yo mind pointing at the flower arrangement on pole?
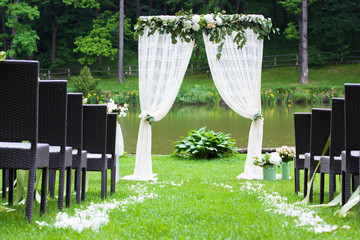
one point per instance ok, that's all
(287, 154)
(113, 107)
(268, 162)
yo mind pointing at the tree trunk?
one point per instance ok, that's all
(239, 6)
(3, 31)
(13, 30)
(99, 56)
(165, 7)
(150, 7)
(138, 8)
(304, 73)
(275, 15)
(121, 42)
(221, 5)
(53, 40)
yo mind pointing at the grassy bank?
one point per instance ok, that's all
(278, 85)
(191, 199)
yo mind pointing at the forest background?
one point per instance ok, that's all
(68, 33)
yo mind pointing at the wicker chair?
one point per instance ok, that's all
(74, 139)
(19, 122)
(52, 130)
(332, 164)
(110, 148)
(320, 132)
(350, 157)
(302, 123)
(95, 135)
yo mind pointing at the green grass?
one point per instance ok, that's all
(198, 209)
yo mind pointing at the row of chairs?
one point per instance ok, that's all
(312, 132)
(44, 127)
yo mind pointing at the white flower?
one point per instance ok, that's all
(187, 24)
(111, 106)
(218, 21)
(208, 18)
(275, 158)
(196, 27)
(196, 19)
(84, 100)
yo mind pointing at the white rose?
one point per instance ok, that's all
(196, 19)
(218, 21)
(196, 27)
(275, 158)
(187, 23)
(208, 18)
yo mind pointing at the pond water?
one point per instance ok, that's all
(278, 126)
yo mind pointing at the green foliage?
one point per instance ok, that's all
(85, 82)
(83, 3)
(202, 144)
(315, 58)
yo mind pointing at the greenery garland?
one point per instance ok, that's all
(189, 27)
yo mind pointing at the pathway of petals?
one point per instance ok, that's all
(96, 215)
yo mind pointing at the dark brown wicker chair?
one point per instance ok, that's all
(74, 139)
(95, 135)
(110, 148)
(350, 157)
(332, 164)
(320, 132)
(52, 130)
(302, 124)
(19, 122)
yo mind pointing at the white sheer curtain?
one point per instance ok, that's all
(162, 66)
(237, 76)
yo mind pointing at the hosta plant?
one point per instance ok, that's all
(202, 144)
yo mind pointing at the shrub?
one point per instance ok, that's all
(204, 144)
(85, 82)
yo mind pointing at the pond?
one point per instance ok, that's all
(278, 126)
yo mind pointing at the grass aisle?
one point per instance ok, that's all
(190, 200)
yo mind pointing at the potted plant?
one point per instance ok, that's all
(268, 162)
(287, 154)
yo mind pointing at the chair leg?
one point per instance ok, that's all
(103, 183)
(11, 186)
(346, 179)
(332, 186)
(297, 180)
(322, 180)
(61, 189)
(77, 184)
(354, 182)
(5, 182)
(30, 194)
(68, 187)
(43, 191)
(52, 176)
(112, 184)
(83, 185)
(305, 181)
(312, 172)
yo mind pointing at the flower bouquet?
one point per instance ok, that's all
(287, 154)
(268, 162)
(113, 107)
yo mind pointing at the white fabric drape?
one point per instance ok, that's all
(119, 149)
(162, 66)
(237, 76)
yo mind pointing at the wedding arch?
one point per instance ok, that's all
(234, 48)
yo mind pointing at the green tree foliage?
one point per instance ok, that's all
(23, 38)
(85, 82)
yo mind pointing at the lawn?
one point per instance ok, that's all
(191, 200)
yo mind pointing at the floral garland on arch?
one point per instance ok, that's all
(188, 27)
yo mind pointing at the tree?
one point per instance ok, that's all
(23, 39)
(299, 7)
(121, 42)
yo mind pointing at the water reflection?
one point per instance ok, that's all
(278, 126)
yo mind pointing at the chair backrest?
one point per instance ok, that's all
(111, 134)
(352, 117)
(95, 128)
(320, 130)
(53, 112)
(19, 100)
(74, 136)
(337, 127)
(302, 125)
